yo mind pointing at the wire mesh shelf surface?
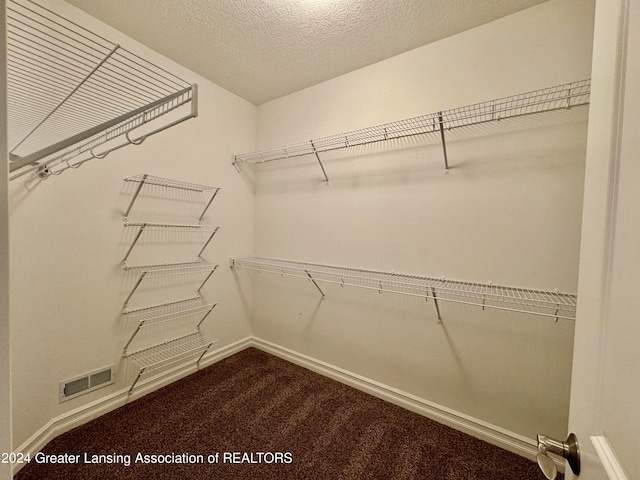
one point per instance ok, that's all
(145, 180)
(538, 302)
(199, 274)
(66, 85)
(170, 183)
(170, 352)
(542, 100)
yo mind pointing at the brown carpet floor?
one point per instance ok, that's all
(291, 423)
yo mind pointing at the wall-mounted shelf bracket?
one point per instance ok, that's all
(312, 280)
(444, 144)
(315, 151)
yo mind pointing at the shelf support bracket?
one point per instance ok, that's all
(444, 144)
(133, 290)
(203, 353)
(207, 242)
(136, 380)
(208, 204)
(135, 240)
(206, 279)
(319, 161)
(435, 301)
(132, 337)
(206, 315)
(314, 282)
(135, 195)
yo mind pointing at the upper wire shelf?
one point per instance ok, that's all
(486, 295)
(146, 179)
(70, 91)
(543, 100)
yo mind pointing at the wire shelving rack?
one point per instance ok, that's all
(193, 345)
(554, 304)
(548, 99)
(166, 227)
(74, 96)
(198, 275)
(146, 180)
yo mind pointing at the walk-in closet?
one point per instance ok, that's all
(319, 239)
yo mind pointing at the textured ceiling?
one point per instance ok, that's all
(264, 49)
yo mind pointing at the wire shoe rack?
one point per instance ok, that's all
(537, 101)
(485, 295)
(74, 95)
(193, 345)
(145, 180)
(173, 229)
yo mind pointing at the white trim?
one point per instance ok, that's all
(477, 428)
(609, 459)
(81, 415)
(513, 442)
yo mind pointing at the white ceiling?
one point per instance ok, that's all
(264, 49)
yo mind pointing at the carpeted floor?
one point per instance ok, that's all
(269, 419)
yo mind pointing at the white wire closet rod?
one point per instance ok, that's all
(543, 100)
(67, 85)
(142, 227)
(147, 180)
(164, 314)
(194, 345)
(200, 273)
(486, 295)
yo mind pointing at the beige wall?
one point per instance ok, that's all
(5, 356)
(68, 239)
(508, 212)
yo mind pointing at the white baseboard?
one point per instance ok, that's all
(513, 442)
(81, 415)
(609, 459)
(493, 434)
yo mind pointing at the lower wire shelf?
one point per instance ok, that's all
(172, 351)
(486, 295)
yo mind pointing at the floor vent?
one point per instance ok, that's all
(89, 382)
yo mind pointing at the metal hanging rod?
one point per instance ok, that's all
(145, 179)
(543, 100)
(66, 85)
(181, 271)
(170, 352)
(486, 295)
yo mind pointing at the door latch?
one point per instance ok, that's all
(568, 450)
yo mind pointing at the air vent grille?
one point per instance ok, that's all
(89, 382)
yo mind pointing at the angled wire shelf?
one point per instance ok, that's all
(543, 100)
(173, 229)
(536, 302)
(193, 275)
(169, 313)
(74, 96)
(191, 346)
(145, 180)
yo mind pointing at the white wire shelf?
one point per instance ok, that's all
(194, 345)
(169, 313)
(543, 100)
(145, 179)
(167, 227)
(536, 302)
(198, 274)
(70, 91)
